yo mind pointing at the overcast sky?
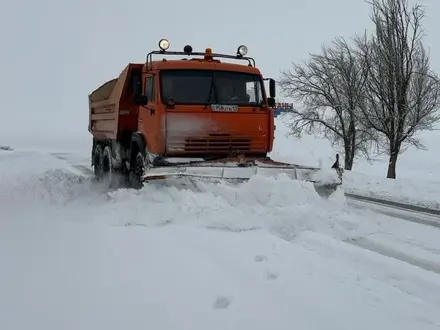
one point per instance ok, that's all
(55, 52)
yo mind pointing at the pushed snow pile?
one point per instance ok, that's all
(326, 176)
(30, 180)
(280, 205)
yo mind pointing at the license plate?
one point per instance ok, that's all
(224, 108)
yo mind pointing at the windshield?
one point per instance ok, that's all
(211, 87)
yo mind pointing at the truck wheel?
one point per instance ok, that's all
(137, 172)
(107, 168)
(98, 162)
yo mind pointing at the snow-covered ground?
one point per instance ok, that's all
(268, 254)
(418, 171)
(74, 256)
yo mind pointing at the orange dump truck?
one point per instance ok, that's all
(188, 114)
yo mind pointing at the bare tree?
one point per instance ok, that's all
(330, 87)
(402, 94)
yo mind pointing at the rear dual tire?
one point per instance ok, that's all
(103, 166)
(105, 174)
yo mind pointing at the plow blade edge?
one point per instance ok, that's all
(325, 184)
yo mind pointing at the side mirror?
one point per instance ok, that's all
(272, 88)
(271, 102)
(141, 99)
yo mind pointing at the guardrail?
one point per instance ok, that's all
(404, 206)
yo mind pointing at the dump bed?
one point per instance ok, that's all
(110, 108)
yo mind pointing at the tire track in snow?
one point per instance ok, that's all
(388, 251)
(74, 162)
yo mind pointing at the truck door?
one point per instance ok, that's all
(150, 93)
(150, 119)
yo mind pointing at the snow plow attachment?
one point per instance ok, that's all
(236, 170)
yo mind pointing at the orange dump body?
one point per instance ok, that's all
(195, 121)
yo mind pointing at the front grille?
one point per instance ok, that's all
(220, 144)
(216, 143)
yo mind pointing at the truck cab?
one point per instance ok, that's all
(201, 107)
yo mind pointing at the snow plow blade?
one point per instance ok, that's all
(241, 170)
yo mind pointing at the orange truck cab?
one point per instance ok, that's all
(185, 107)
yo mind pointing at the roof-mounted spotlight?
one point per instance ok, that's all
(187, 50)
(164, 44)
(242, 51)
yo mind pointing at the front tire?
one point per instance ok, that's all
(137, 172)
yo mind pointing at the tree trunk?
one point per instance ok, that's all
(349, 146)
(352, 142)
(348, 162)
(392, 164)
(348, 157)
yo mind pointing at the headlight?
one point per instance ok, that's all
(164, 44)
(242, 50)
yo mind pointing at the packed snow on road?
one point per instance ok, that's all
(267, 254)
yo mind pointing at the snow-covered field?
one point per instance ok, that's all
(268, 254)
(418, 171)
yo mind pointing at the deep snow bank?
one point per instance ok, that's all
(283, 206)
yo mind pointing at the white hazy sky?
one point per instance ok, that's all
(55, 52)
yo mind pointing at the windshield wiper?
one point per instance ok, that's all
(211, 88)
